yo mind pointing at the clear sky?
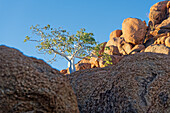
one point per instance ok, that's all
(98, 16)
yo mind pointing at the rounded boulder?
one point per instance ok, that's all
(134, 30)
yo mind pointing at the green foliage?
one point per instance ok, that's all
(108, 60)
(106, 57)
(59, 41)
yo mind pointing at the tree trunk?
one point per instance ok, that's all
(71, 66)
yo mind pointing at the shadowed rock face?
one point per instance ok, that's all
(31, 85)
(139, 83)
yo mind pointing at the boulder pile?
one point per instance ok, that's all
(136, 37)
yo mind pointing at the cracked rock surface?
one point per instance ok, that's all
(139, 83)
(31, 85)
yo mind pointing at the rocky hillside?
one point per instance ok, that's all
(135, 37)
(137, 82)
(31, 85)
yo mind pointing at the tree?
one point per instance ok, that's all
(60, 42)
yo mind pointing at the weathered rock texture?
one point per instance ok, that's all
(158, 12)
(31, 85)
(134, 30)
(115, 33)
(139, 83)
(158, 48)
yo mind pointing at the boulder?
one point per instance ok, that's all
(116, 33)
(113, 50)
(125, 48)
(64, 71)
(81, 66)
(161, 40)
(158, 48)
(139, 83)
(120, 44)
(94, 61)
(137, 48)
(168, 8)
(30, 85)
(158, 12)
(167, 41)
(116, 41)
(164, 26)
(134, 30)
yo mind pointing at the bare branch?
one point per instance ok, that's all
(80, 57)
(53, 59)
(62, 54)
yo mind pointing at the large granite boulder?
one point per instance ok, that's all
(139, 83)
(158, 48)
(31, 85)
(158, 12)
(134, 30)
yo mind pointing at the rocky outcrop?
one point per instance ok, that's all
(134, 30)
(116, 33)
(161, 40)
(113, 50)
(158, 48)
(31, 85)
(136, 37)
(167, 42)
(164, 26)
(158, 12)
(137, 48)
(139, 83)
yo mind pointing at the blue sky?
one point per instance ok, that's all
(98, 16)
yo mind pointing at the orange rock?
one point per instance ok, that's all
(116, 33)
(157, 12)
(134, 30)
(85, 60)
(125, 49)
(116, 41)
(168, 7)
(164, 26)
(82, 66)
(137, 48)
(94, 62)
(113, 50)
(167, 41)
(160, 40)
(158, 48)
(64, 71)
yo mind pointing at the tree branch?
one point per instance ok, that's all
(82, 57)
(63, 55)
